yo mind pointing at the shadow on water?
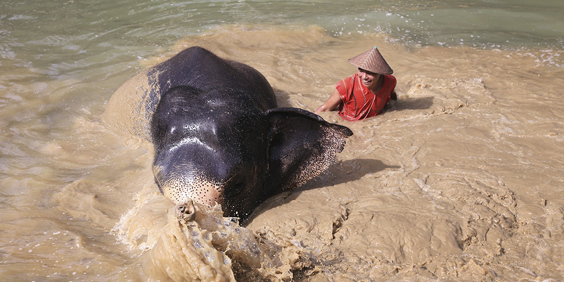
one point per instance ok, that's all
(339, 173)
(347, 171)
(421, 103)
(282, 98)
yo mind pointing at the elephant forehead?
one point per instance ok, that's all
(187, 141)
(227, 131)
(197, 186)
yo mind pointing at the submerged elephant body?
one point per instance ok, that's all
(220, 138)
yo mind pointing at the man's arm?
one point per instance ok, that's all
(331, 103)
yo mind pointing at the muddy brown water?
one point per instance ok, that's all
(460, 179)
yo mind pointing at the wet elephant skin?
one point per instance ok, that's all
(220, 138)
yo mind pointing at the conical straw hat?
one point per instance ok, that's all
(372, 61)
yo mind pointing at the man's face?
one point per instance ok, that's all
(369, 79)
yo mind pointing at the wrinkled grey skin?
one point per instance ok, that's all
(220, 138)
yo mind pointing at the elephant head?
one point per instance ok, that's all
(212, 153)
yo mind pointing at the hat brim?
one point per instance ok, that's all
(372, 61)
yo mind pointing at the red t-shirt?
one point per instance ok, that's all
(358, 102)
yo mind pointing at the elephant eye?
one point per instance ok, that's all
(235, 189)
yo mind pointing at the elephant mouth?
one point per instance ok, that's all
(186, 211)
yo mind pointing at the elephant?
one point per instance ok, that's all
(219, 136)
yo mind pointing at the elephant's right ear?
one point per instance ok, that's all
(301, 146)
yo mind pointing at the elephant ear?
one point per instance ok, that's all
(301, 146)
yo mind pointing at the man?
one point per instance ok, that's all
(364, 94)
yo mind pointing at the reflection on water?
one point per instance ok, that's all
(459, 179)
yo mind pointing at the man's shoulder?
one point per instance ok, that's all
(345, 86)
(391, 79)
(349, 80)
